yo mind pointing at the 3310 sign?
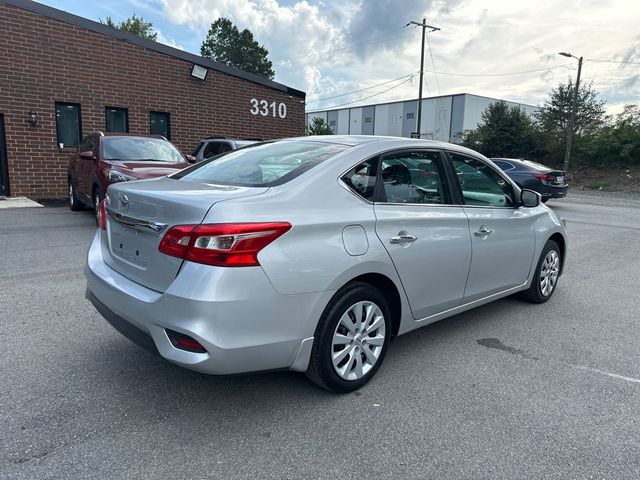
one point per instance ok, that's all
(264, 108)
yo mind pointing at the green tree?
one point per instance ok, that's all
(226, 44)
(318, 127)
(504, 131)
(553, 117)
(553, 121)
(136, 25)
(618, 142)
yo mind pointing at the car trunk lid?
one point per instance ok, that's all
(140, 213)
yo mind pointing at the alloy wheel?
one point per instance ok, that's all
(549, 272)
(358, 340)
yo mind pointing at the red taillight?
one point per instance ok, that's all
(223, 244)
(102, 215)
(544, 178)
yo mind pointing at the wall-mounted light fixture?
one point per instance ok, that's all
(32, 117)
(199, 72)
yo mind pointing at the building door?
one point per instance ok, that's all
(4, 166)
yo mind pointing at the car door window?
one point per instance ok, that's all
(224, 147)
(414, 177)
(212, 149)
(480, 184)
(197, 149)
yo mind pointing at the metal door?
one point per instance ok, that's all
(503, 240)
(425, 235)
(4, 166)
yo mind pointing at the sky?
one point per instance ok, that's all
(361, 52)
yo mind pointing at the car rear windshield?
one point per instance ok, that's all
(140, 149)
(263, 165)
(535, 165)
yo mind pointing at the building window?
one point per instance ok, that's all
(410, 116)
(117, 119)
(68, 126)
(159, 124)
(368, 119)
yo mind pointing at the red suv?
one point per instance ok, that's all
(106, 158)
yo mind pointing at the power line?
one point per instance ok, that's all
(435, 75)
(440, 73)
(374, 95)
(612, 61)
(361, 90)
(502, 74)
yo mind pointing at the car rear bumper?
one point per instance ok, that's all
(552, 192)
(234, 313)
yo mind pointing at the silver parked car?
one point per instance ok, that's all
(311, 253)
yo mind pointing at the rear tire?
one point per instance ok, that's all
(351, 339)
(74, 202)
(546, 276)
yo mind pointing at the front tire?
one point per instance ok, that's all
(546, 275)
(351, 339)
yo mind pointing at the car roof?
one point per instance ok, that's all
(355, 140)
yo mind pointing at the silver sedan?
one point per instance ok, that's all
(312, 253)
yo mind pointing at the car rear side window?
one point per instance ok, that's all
(263, 165)
(362, 179)
(504, 165)
(480, 184)
(414, 177)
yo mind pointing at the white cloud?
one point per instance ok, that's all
(167, 41)
(338, 46)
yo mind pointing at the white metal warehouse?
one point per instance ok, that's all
(443, 117)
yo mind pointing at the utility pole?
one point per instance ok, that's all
(424, 30)
(572, 119)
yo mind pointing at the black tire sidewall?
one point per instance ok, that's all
(536, 289)
(74, 201)
(321, 354)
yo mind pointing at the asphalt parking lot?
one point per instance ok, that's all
(509, 390)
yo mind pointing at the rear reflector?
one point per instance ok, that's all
(184, 342)
(222, 244)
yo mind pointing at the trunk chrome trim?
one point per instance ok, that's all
(137, 223)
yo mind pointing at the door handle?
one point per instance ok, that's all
(482, 231)
(402, 238)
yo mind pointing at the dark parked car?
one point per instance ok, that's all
(212, 146)
(546, 181)
(106, 158)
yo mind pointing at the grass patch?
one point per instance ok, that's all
(597, 185)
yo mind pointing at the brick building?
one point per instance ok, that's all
(63, 76)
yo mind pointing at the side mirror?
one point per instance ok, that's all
(191, 159)
(530, 198)
(88, 155)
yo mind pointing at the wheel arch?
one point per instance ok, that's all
(562, 244)
(389, 290)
